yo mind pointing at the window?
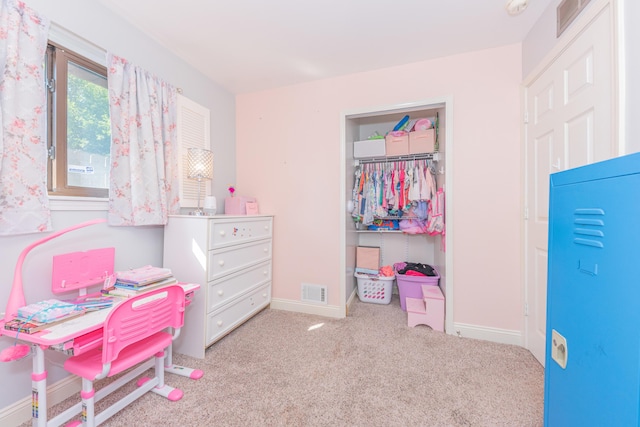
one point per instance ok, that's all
(79, 128)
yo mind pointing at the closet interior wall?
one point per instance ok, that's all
(395, 246)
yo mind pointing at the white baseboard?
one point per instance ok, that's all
(303, 307)
(20, 412)
(502, 336)
(351, 299)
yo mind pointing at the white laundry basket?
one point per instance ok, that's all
(375, 289)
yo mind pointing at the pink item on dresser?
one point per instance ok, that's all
(237, 205)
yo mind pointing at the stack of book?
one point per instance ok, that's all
(92, 302)
(42, 315)
(135, 281)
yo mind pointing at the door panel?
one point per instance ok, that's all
(571, 109)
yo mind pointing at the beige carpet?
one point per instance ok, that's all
(370, 369)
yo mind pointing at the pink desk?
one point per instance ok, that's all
(76, 336)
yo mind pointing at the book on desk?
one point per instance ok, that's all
(124, 289)
(24, 326)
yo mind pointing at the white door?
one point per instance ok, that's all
(570, 111)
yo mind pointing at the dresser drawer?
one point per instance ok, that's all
(224, 320)
(225, 261)
(223, 290)
(233, 231)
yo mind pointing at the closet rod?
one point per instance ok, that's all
(432, 156)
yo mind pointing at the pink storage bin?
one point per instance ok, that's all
(411, 286)
(397, 145)
(237, 205)
(422, 141)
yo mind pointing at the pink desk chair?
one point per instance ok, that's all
(83, 335)
(134, 332)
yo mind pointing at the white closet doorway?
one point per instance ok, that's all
(570, 112)
(396, 246)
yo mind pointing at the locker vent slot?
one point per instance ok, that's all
(314, 293)
(589, 227)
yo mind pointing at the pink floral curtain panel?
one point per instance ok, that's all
(144, 150)
(24, 204)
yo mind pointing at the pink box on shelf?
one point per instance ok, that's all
(397, 145)
(237, 205)
(422, 141)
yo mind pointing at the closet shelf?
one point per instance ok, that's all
(429, 156)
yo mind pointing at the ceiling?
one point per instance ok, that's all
(252, 45)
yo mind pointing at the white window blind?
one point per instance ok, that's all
(193, 128)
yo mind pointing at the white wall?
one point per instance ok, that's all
(135, 246)
(631, 10)
(540, 40)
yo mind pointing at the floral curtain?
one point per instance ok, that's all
(24, 204)
(144, 151)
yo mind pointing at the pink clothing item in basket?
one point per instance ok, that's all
(387, 271)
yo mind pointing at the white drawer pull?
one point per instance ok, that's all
(264, 295)
(266, 250)
(222, 233)
(220, 293)
(221, 262)
(266, 227)
(265, 272)
(219, 322)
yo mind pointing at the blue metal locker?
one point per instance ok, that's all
(592, 359)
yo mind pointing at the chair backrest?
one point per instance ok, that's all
(80, 270)
(141, 316)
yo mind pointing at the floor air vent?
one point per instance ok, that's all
(314, 293)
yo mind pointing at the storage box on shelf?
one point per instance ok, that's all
(369, 148)
(397, 145)
(422, 141)
(231, 258)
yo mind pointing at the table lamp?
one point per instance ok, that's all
(200, 167)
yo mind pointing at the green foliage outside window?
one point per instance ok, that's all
(88, 123)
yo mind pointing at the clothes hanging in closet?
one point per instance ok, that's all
(399, 189)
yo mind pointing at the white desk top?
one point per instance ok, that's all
(76, 326)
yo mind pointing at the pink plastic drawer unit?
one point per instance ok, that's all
(422, 141)
(397, 145)
(411, 286)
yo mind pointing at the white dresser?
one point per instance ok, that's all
(230, 257)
